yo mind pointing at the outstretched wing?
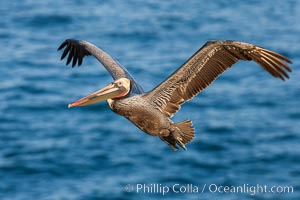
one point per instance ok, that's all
(205, 66)
(78, 49)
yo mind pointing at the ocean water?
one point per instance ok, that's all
(247, 123)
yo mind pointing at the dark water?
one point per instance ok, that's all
(247, 123)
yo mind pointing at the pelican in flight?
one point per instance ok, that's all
(151, 111)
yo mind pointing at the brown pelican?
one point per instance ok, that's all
(151, 111)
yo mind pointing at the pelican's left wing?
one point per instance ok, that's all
(78, 49)
(205, 66)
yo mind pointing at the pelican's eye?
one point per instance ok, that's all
(119, 84)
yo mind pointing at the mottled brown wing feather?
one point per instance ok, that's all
(205, 66)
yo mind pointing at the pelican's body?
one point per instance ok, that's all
(136, 109)
(151, 111)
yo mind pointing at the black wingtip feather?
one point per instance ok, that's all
(62, 45)
(80, 56)
(80, 59)
(66, 51)
(75, 56)
(70, 56)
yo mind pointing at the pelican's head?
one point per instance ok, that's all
(117, 89)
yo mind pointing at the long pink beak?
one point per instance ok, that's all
(105, 93)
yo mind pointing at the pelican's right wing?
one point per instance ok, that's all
(205, 66)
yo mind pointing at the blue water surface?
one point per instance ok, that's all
(247, 122)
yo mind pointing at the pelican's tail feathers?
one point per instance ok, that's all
(187, 130)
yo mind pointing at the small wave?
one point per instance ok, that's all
(136, 35)
(219, 129)
(47, 20)
(295, 115)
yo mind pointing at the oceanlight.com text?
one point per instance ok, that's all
(156, 188)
